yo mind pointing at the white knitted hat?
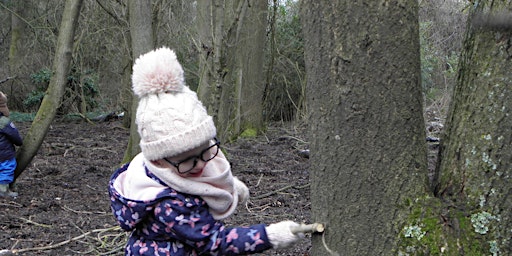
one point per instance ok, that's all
(170, 118)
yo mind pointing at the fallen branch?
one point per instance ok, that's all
(53, 246)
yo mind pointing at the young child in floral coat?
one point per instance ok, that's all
(9, 137)
(174, 195)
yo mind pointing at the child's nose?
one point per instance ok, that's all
(200, 164)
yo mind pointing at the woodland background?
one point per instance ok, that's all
(348, 71)
(102, 59)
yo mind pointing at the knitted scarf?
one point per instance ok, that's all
(216, 185)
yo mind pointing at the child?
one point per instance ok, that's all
(174, 195)
(9, 136)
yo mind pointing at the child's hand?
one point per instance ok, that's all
(242, 190)
(280, 234)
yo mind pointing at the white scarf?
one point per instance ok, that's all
(216, 185)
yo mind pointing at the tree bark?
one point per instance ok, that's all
(16, 51)
(475, 167)
(231, 64)
(142, 40)
(56, 88)
(212, 60)
(368, 151)
(251, 52)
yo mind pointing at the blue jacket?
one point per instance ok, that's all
(175, 223)
(9, 136)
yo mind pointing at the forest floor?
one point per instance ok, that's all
(63, 204)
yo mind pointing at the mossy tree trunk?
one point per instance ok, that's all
(368, 151)
(231, 63)
(142, 41)
(252, 78)
(53, 98)
(475, 168)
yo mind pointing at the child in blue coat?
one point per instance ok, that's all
(9, 137)
(173, 196)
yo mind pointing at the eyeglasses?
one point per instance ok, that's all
(189, 163)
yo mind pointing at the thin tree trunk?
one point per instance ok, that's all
(16, 52)
(142, 40)
(56, 88)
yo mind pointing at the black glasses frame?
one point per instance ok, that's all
(200, 156)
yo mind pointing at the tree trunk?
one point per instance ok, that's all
(212, 59)
(56, 88)
(368, 151)
(251, 52)
(475, 167)
(17, 54)
(231, 59)
(142, 39)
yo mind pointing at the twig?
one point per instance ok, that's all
(35, 223)
(53, 246)
(82, 212)
(7, 79)
(273, 192)
(12, 204)
(331, 252)
(259, 180)
(280, 190)
(308, 228)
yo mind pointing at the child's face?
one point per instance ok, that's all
(191, 163)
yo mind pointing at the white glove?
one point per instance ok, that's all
(280, 234)
(242, 190)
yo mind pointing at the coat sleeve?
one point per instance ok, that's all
(189, 221)
(11, 132)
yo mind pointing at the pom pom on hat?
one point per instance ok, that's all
(156, 72)
(170, 118)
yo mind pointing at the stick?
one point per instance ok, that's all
(53, 246)
(309, 228)
(279, 190)
(7, 79)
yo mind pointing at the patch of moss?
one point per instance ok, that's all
(249, 133)
(436, 228)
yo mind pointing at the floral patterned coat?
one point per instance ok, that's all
(174, 223)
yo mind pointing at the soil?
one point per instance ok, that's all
(63, 205)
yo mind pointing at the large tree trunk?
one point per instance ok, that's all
(142, 40)
(368, 151)
(56, 88)
(475, 167)
(231, 57)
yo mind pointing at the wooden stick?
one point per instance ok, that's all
(309, 228)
